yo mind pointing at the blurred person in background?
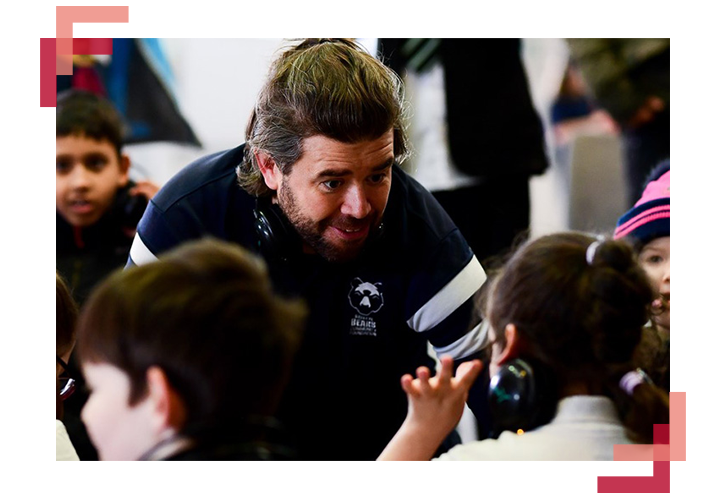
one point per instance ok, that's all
(666, 94)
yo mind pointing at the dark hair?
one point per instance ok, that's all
(66, 314)
(206, 314)
(329, 87)
(82, 113)
(582, 320)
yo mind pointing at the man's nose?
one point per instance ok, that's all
(356, 203)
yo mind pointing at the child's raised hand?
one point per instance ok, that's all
(438, 402)
(435, 406)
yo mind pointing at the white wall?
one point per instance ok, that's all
(217, 81)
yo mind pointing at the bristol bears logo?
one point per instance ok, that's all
(365, 297)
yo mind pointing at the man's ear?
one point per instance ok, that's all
(270, 172)
(167, 406)
(513, 346)
(124, 165)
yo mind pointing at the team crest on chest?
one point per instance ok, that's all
(366, 299)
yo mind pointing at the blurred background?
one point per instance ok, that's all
(212, 84)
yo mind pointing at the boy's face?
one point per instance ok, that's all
(87, 174)
(119, 432)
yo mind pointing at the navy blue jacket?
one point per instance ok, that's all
(344, 400)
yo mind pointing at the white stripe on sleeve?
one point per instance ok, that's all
(449, 298)
(139, 253)
(468, 344)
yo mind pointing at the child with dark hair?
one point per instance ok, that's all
(97, 206)
(187, 357)
(97, 210)
(566, 315)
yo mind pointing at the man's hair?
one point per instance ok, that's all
(206, 314)
(329, 87)
(85, 114)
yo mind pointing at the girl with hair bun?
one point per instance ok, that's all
(565, 317)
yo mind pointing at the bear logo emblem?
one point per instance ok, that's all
(365, 297)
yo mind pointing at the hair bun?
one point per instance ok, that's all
(311, 42)
(614, 254)
(620, 295)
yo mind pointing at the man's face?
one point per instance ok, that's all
(88, 173)
(336, 193)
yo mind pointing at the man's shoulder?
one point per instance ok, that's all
(208, 177)
(421, 240)
(419, 218)
(203, 199)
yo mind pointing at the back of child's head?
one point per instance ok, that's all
(580, 315)
(206, 314)
(86, 114)
(578, 304)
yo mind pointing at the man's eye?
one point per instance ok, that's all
(377, 178)
(332, 184)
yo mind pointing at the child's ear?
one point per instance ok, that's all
(124, 165)
(167, 406)
(270, 172)
(512, 347)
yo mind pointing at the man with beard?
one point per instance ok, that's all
(316, 190)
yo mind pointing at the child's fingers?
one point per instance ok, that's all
(467, 373)
(407, 385)
(423, 375)
(447, 369)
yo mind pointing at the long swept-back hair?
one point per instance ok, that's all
(329, 87)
